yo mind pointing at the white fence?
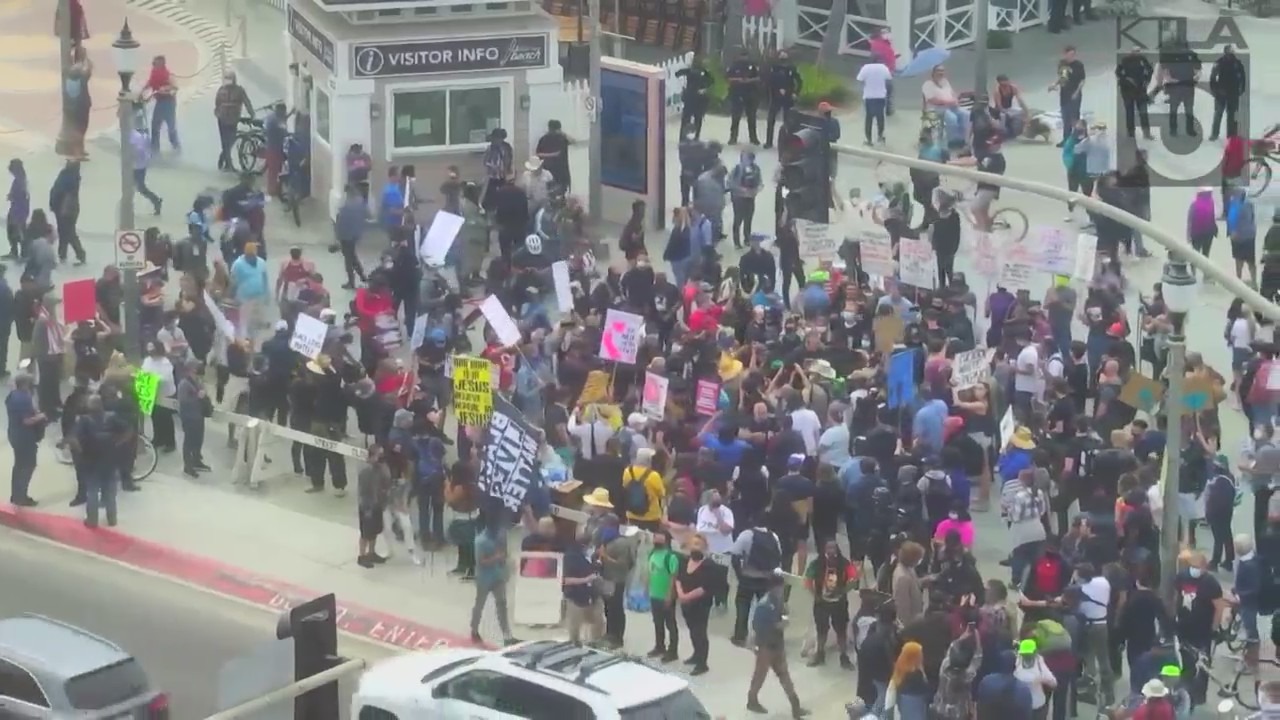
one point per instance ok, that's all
(764, 34)
(570, 106)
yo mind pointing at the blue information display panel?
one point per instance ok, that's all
(624, 132)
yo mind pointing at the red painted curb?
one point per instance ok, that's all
(220, 577)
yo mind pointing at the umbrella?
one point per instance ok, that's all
(924, 62)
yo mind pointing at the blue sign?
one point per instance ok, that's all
(902, 379)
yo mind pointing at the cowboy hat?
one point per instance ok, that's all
(1022, 439)
(598, 498)
(533, 164)
(1155, 689)
(321, 365)
(822, 368)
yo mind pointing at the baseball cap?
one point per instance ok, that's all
(281, 326)
(1027, 647)
(1171, 671)
(795, 460)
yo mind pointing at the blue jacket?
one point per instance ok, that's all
(1012, 462)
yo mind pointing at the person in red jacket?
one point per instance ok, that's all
(371, 302)
(1235, 159)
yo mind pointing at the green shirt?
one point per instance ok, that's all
(663, 567)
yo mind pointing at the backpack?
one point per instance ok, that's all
(765, 553)
(637, 494)
(1051, 637)
(626, 441)
(1220, 495)
(1048, 576)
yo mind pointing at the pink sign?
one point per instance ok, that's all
(706, 397)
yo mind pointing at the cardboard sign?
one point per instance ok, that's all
(1141, 392)
(620, 339)
(1057, 254)
(444, 229)
(653, 402)
(818, 241)
(308, 336)
(917, 263)
(888, 330)
(560, 278)
(472, 390)
(1086, 263)
(1199, 393)
(875, 252)
(970, 368)
(539, 591)
(146, 385)
(1007, 427)
(706, 397)
(500, 320)
(1015, 276)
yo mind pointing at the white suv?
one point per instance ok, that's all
(539, 680)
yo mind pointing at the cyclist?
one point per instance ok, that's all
(992, 162)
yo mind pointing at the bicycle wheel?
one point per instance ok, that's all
(251, 153)
(1010, 223)
(1259, 176)
(146, 459)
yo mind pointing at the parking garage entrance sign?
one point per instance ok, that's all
(433, 57)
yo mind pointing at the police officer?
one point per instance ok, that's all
(693, 153)
(1228, 83)
(744, 95)
(695, 96)
(784, 87)
(1179, 72)
(1133, 77)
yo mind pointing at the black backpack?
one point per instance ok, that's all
(637, 494)
(765, 553)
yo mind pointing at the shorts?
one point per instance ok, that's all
(371, 524)
(1240, 357)
(982, 201)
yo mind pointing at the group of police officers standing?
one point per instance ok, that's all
(747, 80)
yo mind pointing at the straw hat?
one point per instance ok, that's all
(1022, 439)
(598, 498)
(321, 365)
(823, 369)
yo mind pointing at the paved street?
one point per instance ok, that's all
(181, 635)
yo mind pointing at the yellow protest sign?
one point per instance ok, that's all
(146, 386)
(472, 390)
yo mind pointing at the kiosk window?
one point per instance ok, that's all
(322, 114)
(439, 118)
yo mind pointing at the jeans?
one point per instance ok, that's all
(165, 112)
(749, 590)
(140, 184)
(192, 442)
(17, 243)
(1143, 210)
(24, 466)
(431, 510)
(1069, 107)
(1227, 105)
(1097, 653)
(227, 140)
(775, 659)
(1224, 548)
(666, 631)
(100, 491)
(875, 111)
(1022, 558)
(912, 707)
(744, 210)
(955, 122)
(499, 593)
(68, 235)
(680, 270)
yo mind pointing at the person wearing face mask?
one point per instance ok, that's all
(695, 588)
(1201, 602)
(1074, 145)
(830, 578)
(227, 104)
(745, 183)
(769, 622)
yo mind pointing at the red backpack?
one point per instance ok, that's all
(1048, 576)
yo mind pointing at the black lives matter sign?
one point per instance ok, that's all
(1180, 160)
(461, 55)
(509, 458)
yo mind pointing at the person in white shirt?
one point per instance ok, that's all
(875, 78)
(1028, 380)
(1095, 602)
(157, 362)
(173, 338)
(1035, 674)
(715, 523)
(941, 99)
(592, 434)
(806, 422)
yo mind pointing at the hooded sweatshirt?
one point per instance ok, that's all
(746, 179)
(1201, 221)
(1242, 225)
(1002, 695)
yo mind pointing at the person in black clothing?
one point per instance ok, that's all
(7, 306)
(695, 589)
(1133, 76)
(511, 215)
(1179, 72)
(553, 148)
(789, 260)
(64, 203)
(698, 83)
(743, 75)
(1070, 87)
(1142, 621)
(1228, 83)
(694, 156)
(784, 85)
(945, 238)
(1136, 182)
(757, 268)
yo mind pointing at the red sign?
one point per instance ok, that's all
(706, 397)
(79, 301)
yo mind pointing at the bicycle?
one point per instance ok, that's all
(1231, 690)
(251, 142)
(1007, 221)
(1229, 635)
(1261, 153)
(144, 463)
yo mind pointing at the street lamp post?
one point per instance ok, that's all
(1178, 287)
(126, 51)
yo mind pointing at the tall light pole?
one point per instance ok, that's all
(126, 51)
(1178, 287)
(981, 83)
(595, 192)
(64, 29)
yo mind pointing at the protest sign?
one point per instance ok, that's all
(500, 320)
(620, 336)
(970, 368)
(445, 227)
(1056, 253)
(79, 301)
(706, 397)
(308, 336)
(1015, 276)
(509, 456)
(560, 278)
(1086, 258)
(901, 380)
(654, 399)
(875, 252)
(1007, 426)
(1200, 393)
(146, 385)
(917, 263)
(220, 320)
(472, 390)
(818, 241)
(539, 591)
(888, 331)
(1141, 392)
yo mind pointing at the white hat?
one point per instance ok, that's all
(327, 313)
(637, 420)
(533, 164)
(1155, 689)
(281, 326)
